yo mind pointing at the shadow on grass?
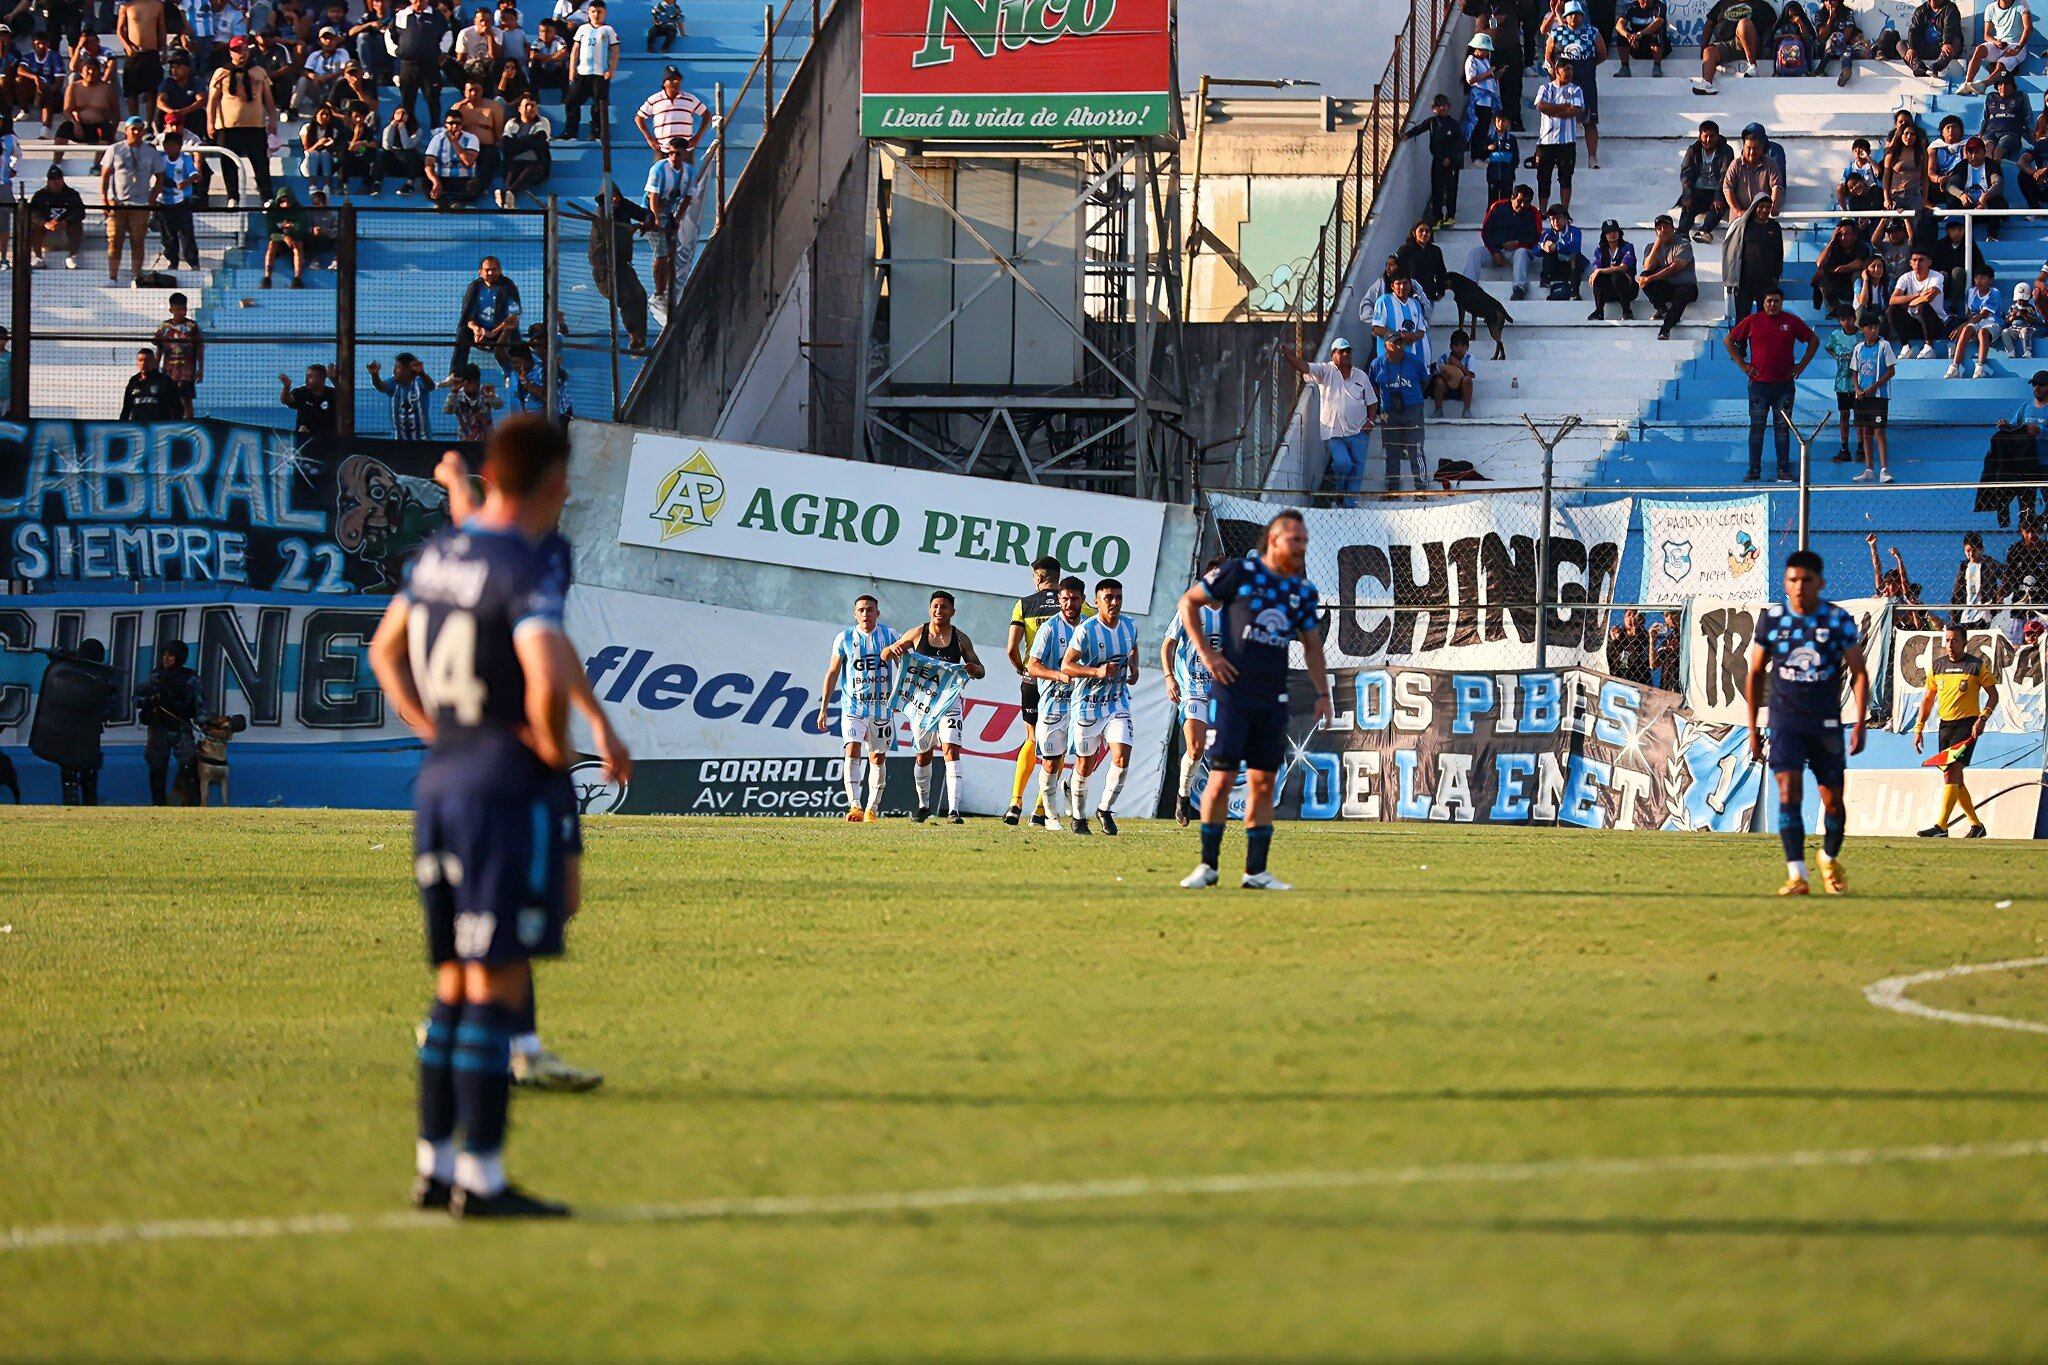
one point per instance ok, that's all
(1530, 1095)
(1620, 1226)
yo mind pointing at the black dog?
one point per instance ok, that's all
(1475, 303)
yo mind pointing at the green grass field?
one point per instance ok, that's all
(209, 1017)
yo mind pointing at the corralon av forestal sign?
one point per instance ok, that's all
(1017, 70)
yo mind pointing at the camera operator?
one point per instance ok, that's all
(93, 700)
(169, 703)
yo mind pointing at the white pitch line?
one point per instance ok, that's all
(1890, 994)
(995, 1196)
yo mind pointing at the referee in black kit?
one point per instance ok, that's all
(1267, 603)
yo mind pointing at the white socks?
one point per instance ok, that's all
(1049, 785)
(953, 785)
(1187, 774)
(853, 767)
(435, 1159)
(1077, 792)
(484, 1175)
(924, 785)
(878, 776)
(1116, 784)
(1797, 870)
(525, 1044)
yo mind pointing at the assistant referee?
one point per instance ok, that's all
(1962, 690)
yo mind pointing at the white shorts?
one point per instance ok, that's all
(1197, 708)
(875, 734)
(1090, 735)
(1050, 734)
(946, 731)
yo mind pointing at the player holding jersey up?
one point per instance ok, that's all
(1803, 646)
(1187, 690)
(934, 707)
(860, 668)
(1102, 657)
(1054, 694)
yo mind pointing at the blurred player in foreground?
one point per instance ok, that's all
(1054, 695)
(1187, 690)
(1266, 604)
(865, 678)
(1963, 688)
(1803, 645)
(473, 656)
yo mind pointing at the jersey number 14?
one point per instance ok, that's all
(445, 669)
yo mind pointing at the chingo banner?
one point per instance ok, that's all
(1018, 70)
(903, 525)
(201, 504)
(1466, 570)
(1549, 747)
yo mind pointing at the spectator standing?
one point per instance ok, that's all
(483, 118)
(1905, 168)
(1752, 176)
(1400, 313)
(418, 32)
(1507, 236)
(410, 392)
(312, 403)
(2026, 563)
(1753, 256)
(167, 703)
(1669, 278)
(1933, 37)
(1561, 105)
(611, 266)
(174, 202)
(1872, 363)
(528, 160)
(1402, 381)
(1503, 154)
(1345, 402)
(180, 101)
(1978, 323)
(515, 45)
(489, 315)
(2012, 465)
(1841, 344)
(670, 182)
(1667, 639)
(1642, 31)
(242, 113)
(131, 174)
(1979, 582)
(181, 352)
(664, 25)
(1918, 314)
(142, 34)
(1578, 44)
(56, 212)
(450, 161)
(2008, 27)
(1769, 337)
(1628, 649)
(150, 395)
(1482, 90)
(1702, 207)
(670, 113)
(471, 402)
(1614, 273)
(1447, 151)
(398, 151)
(1562, 248)
(593, 61)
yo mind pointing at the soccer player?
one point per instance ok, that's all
(1803, 646)
(474, 658)
(936, 639)
(1962, 688)
(533, 1065)
(1030, 613)
(860, 668)
(1187, 688)
(1055, 691)
(1267, 603)
(1102, 656)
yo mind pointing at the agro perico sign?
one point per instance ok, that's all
(901, 525)
(1017, 70)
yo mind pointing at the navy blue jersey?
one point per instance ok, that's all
(471, 590)
(560, 556)
(1804, 655)
(1262, 612)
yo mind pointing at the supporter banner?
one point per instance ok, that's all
(1687, 21)
(904, 525)
(957, 69)
(205, 503)
(1469, 563)
(1716, 654)
(2020, 697)
(735, 693)
(297, 667)
(1705, 548)
(1898, 802)
(1545, 747)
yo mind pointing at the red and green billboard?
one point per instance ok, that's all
(1016, 70)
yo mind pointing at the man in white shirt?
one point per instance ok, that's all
(1561, 104)
(451, 157)
(593, 61)
(2008, 26)
(670, 113)
(1346, 401)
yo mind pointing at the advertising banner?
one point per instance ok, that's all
(902, 525)
(1705, 548)
(1716, 654)
(2019, 679)
(721, 710)
(200, 504)
(1468, 569)
(1900, 802)
(1017, 70)
(1534, 747)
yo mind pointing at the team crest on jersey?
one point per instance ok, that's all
(688, 497)
(596, 794)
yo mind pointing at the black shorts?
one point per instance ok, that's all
(1253, 737)
(1953, 732)
(489, 866)
(141, 74)
(1027, 692)
(1872, 412)
(1845, 400)
(1821, 750)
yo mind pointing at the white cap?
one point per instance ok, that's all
(1340, 344)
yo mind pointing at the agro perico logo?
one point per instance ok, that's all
(1010, 25)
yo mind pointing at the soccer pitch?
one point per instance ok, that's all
(900, 1092)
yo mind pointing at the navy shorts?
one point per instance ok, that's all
(489, 866)
(1253, 737)
(1820, 750)
(568, 814)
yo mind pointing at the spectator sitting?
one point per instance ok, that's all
(1701, 205)
(1861, 188)
(1978, 323)
(477, 51)
(1423, 259)
(1503, 154)
(489, 315)
(1628, 649)
(1840, 262)
(1564, 258)
(1642, 31)
(323, 68)
(91, 107)
(1753, 175)
(664, 25)
(1753, 257)
(2022, 323)
(1614, 273)
(1733, 28)
(287, 223)
(2008, 115)
(2026, 563)
(1892, 246)
(359, 152)
(2033, 164)
(321, 140)
(1978, 183)
(1670, 277)
(471, 402)
(323, 232)
(1947, 151)
(1507, 236)
(356, 92)
(1841, 39)
(398, 151)
(56, 216)
(547, 61)
(1793, 42)
(450, 160)
(1945, 250)
(1932, 38)
(1979, 580)
(2008, 27)
(1872, 363)
(1453, 374)
(1918, 316)
(528, 161)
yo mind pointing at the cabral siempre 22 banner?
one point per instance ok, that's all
(1017, 70)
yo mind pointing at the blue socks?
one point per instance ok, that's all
(483, 1080)
(1792, 833)
(1833, 826)
(437, 1074)
(1212, 844)
(1257, 840)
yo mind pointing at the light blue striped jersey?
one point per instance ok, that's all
(1048, 647)
(867, 678)
(1096, 644)
(927, 688)
(1188, 671)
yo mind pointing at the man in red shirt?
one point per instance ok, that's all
(1770, 336)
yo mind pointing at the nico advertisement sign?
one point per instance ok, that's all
(902, 525)
(1017, 70)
